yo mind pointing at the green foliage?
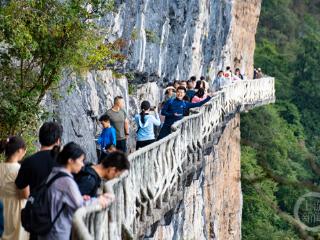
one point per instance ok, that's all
(151, 36)
(278, 140)
(40, 38)
(134, 34)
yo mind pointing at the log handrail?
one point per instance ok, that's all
(156, 169)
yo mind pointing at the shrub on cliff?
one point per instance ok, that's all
(40, 38)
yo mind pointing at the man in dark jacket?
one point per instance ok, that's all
(175, 109)
(89, 178)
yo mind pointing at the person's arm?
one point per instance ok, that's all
(22, 180)
(195, 99)
(198, 104)
(156, 119)
(113, 136)
(165, 110)
(100, 139)
(24, 193)
(126, 127)
(73, 195)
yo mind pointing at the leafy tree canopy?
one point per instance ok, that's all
(39, 39)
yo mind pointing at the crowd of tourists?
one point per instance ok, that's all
(53, 178)
(56, 177)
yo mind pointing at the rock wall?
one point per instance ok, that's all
(241, 40)
(166, 40)
(211, 208)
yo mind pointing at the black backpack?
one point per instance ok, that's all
(36, 216)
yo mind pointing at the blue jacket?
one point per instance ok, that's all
(108, 136)
(190, 93)
(145, 130)
(180, 107)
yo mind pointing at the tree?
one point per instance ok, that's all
(281, 143)
(38, 40)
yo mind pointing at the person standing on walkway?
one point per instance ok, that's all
(119, 120)
(199, 96)
(36, 168)
(13, 199)
(64, 194)
(145, 123)
(175, 109)
(107, 136)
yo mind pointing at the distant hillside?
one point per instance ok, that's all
(281, 143)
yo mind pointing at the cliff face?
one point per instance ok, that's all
(167, 40)
(241, 38)
(211, 206)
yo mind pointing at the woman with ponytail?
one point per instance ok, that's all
(14, 149)
(145, 123)
(64, 194)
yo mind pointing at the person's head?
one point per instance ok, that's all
(110, 148)
(193, 78)
(105, 121)
(13, 147)
(237, 71)
(228, 68)
(181, 92)
(190, 84)
(119, 102)
(169, 90)
(200, 93)
(145, 108)
(183, 83)
(50, 134)
(259, 69)
(220, 73)
(198, 84)
(71, 157)
(204, 85)
(176, 84)
(202, 78)
(114, 164)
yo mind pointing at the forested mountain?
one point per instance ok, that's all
(281, 143)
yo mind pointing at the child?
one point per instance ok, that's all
(108, 135)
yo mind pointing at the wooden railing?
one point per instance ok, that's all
(153, 184)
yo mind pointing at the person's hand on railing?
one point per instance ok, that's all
(106, 199)
(86, 197)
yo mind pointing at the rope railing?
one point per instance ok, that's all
(153, 184)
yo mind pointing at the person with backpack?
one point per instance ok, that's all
(175, 109)
(89, 178)
(13, 199)
(36, 168)
(50, 208)
(145, 123)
